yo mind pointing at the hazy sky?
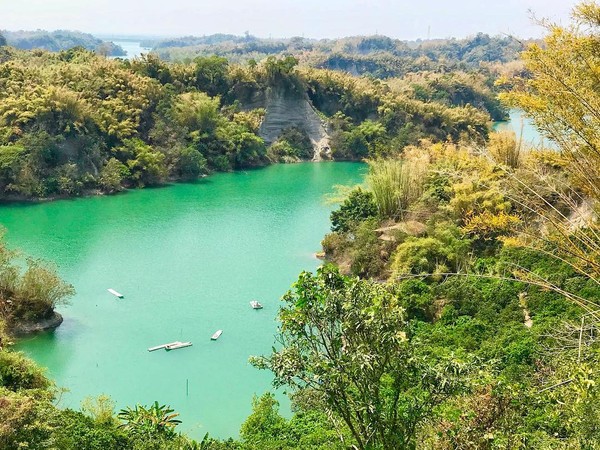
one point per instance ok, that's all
(284, 18)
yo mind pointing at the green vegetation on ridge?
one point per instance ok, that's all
(376, 56)
(59, 40)
(75, 122)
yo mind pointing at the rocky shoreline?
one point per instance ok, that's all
(49, 323)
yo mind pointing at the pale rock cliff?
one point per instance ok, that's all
(286, 110)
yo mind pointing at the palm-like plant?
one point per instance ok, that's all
(156, 419)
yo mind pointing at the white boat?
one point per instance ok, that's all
(217, 334)
(115, 293)
(256, 304)
(176, 345)
(158, 347)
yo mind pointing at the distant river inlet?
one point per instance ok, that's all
(188, 259)
(132, 48)
(524, 128)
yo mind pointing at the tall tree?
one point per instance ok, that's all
(346, 340)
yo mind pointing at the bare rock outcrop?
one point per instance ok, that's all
(50, 322)
(286, 109)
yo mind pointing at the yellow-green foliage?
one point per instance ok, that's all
(31, 294)
(488, 225)
(146, 165)
(75, 93)
(101, 409)
(562, 94)
(443, 250)
(19, 373)
(505, 149)
(64, 116)
(474, 194)
(197, 111)
(338, 91)
(396, 184)
(474, 183)
(450, 88)
(250, 119)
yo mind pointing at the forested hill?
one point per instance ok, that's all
(379, 56)
(58, 40)
(76, 122)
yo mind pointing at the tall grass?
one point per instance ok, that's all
(505, 148)
(396, 184)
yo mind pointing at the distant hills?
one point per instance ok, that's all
(378, 56)
(58, 40)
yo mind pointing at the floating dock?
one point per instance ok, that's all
(158, 347)
(216, 336)
(176, 345)
(115, 293)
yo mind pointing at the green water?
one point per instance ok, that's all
(188, 259)
(525, 129)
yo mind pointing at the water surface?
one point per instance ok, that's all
(132, 48)
(525, 129)
(188, 258)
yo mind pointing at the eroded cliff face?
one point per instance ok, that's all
(286, 110)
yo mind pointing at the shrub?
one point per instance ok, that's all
(359, 206)
(444, 250)
(396, 184)
(19, 373)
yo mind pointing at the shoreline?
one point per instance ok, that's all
(26, 328)
(24, 200)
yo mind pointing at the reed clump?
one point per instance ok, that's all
(397, 183)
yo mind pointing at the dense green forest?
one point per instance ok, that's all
(75, 122)
(458, 305)
(377, 56)
(59, 40)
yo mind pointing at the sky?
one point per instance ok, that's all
(401, 19)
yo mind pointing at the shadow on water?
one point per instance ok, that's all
(24, 203)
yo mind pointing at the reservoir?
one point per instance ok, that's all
(524, 129)
(132, 48)
(188, 259)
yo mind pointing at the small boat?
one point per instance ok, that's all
(256, 304)
(158, 347)
(176, 345)
(115, 293)
(216, 336)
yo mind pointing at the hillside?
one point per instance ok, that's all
(378, 56)
(75, 122)
(55, 41)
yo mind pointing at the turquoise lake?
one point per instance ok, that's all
(188, 258)
(525, 129)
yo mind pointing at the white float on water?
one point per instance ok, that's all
(115, 293)
(176, 345)
(158, 347)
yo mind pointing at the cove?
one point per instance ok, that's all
(188, 258)
(132, 48)
(524, 128)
